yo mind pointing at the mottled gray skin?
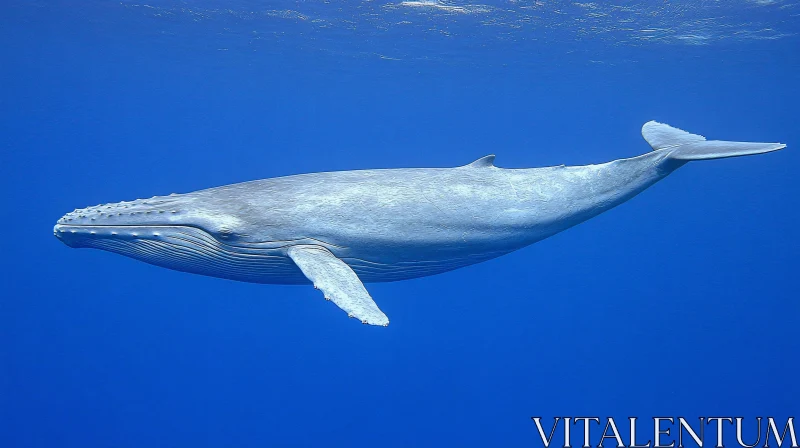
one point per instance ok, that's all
(387, 225)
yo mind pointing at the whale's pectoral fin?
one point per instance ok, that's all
(338, 283)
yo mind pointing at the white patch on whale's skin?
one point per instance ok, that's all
(384, 225)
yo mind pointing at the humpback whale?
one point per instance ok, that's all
(339, 230)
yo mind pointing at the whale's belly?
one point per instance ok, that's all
(377, 270)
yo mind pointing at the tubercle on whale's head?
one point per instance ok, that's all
(146, 218)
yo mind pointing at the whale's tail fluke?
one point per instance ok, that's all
(685, 146)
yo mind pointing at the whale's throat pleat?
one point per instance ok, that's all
(194, 251)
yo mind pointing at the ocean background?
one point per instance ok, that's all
(681, 302)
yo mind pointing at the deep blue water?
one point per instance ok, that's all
(682, 301)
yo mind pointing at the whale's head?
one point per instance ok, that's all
(196, 232)
(147, 219)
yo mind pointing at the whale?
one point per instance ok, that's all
(340, 230)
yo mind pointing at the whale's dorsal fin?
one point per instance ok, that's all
(483, 162)
(338, 283)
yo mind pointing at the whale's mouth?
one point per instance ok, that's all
(188, 249)
(84, 235)
(156, 244)
(186, 236)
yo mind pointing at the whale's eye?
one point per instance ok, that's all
(225, 233)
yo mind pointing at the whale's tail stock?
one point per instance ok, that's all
(686, 146)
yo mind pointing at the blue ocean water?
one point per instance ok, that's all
(682, 301)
